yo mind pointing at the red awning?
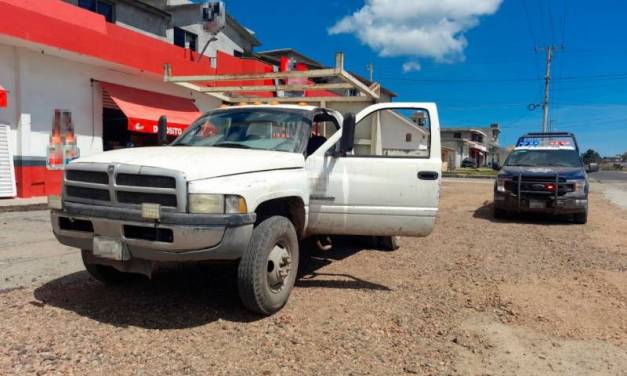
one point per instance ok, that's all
(3, 97)
(143, 109)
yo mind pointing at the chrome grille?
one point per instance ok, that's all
(124, 185)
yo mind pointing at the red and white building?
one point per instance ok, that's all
(59, 61)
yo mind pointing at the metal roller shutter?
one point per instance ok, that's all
(7, 171)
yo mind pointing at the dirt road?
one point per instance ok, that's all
(477, 297)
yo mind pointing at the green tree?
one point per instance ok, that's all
(590, 156)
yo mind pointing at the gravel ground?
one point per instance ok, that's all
(524, 296)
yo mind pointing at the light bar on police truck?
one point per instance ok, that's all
(546, 143)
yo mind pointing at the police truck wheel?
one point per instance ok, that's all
(500, 213)
(104, 273)
(268, 268)
(581, 218)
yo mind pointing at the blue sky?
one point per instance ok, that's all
(480, 66)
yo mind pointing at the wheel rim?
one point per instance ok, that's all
(278, 267)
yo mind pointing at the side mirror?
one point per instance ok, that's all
(347, 142)
(162, 131)
(495, 166)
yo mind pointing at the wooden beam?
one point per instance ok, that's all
(223, 89)
(256, 76)
(197, 88)
(359, 85)
(298, 99)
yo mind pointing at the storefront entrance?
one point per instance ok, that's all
(130, 116)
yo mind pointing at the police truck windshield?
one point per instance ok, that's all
(544, 158)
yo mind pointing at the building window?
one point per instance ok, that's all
(457, 134)
(408, 137)
(476, 138)
(185, 39)
(102, 7)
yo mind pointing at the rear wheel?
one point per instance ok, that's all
(581, 218)
(104, 273)
(268, 268)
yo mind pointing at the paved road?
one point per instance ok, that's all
(613, 184)
(29, 253)
(610, 176)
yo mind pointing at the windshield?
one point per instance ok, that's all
(544, 158)
(250, 128)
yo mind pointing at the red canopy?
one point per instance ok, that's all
(143, 109)
(3, 97)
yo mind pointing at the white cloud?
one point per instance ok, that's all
(411, 66)
(418, 28)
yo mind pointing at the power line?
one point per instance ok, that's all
(528, 17)
(612, 76)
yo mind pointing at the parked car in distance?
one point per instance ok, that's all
(543, 174)
(469, 163)
(592, 167)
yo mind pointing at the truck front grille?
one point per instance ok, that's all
(124, 185)
(136, 180)
(140, 197)
(532, 185)
(88, 193)
(87, 176)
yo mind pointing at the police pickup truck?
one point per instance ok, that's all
(247, 184)
(543, 174)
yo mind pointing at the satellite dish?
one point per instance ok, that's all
(214, 17)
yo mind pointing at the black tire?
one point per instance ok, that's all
(256, 268)
(388, 243)
(104, 273)
(500, 213)
(581, 218)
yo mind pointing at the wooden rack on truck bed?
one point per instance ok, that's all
(223, 87)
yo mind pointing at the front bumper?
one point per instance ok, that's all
(175, 237)
(561, 205)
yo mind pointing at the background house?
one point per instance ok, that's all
(480, 144)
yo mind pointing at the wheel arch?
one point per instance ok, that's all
(291, 207)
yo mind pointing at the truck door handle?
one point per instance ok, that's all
(428, 175)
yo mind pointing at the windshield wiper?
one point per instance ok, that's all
(231, 145)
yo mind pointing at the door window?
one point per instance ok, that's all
(403, 133)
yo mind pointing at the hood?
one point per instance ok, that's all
(198, 162)
(563, 172)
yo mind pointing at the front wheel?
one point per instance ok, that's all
(500, 213)
(388, 243)
(104, 273)
(268, 268)
(581, 218)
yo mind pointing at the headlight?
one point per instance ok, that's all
(500, 183)
(580, 186)
(216, 204)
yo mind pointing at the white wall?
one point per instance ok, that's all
(49, 82)
(189, 18)
(8, 81)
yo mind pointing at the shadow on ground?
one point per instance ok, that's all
(185, 296)
(486, 212)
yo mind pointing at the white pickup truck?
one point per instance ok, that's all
(247, 184)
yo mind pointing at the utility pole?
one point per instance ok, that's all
(547, 81)
(370, 69)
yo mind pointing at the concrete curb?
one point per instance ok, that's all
(23, 208)
(459, 176)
